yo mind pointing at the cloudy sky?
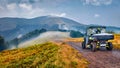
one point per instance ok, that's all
(102, 12)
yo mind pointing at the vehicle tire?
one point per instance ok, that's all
(110, 46)
(83, 45)
(93, 46)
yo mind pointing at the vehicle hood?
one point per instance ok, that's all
(102, 34)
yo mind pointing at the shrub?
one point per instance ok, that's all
(76, 34)
(2, 43)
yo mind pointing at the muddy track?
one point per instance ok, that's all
(99, 59)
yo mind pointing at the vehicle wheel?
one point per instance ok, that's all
(110, 46)
(93, 47)
(83, 45)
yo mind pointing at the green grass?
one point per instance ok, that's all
(34, 56)
(47, 55)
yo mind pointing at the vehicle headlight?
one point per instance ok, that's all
(92, 38)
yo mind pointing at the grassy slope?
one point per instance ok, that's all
(47, 55)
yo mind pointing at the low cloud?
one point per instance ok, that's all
(59, 15)
(97, 2)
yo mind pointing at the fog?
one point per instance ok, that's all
(45, 37)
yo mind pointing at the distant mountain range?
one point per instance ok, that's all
(11, 28)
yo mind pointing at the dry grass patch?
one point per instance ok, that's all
(116, 41)
(47, 55)
(70, 58)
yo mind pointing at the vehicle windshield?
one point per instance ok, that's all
(91, 31)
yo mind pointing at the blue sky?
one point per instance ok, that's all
(102, 12)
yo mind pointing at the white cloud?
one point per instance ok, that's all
(62, 14)
(25, 6)
(97, 2)
(59, 15)
(26, 9)
(21, 10)
(96, 15)
(11, 6)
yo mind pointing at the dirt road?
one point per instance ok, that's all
(99, 59)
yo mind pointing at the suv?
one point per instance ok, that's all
(96, 37)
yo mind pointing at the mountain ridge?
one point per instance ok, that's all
(10, 28)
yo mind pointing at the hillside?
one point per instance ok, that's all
(47, 55)
(10, 28)
(26, 37)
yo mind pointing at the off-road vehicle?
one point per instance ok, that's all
(96, 38)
